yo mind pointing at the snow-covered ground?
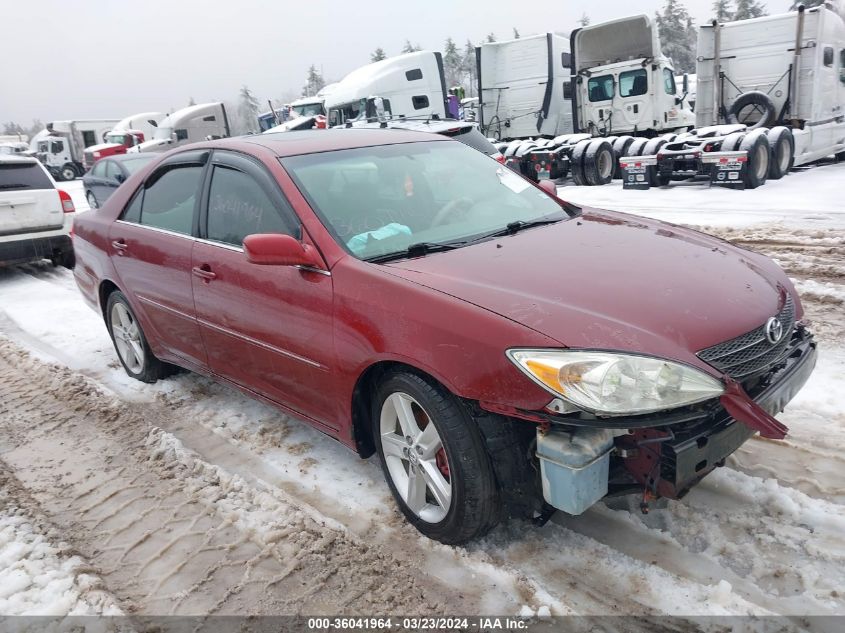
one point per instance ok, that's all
(765, 535)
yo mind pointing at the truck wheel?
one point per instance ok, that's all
(651, 148)
(598, 163)
(576, 162)
(636, 148)
(783, 151)
(620, 149)
(732, 141)
(67, 172)
(751, 105)
(757, 146)
(671, 136)
(434, 459)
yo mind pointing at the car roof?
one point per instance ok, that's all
(315, 141)
(17, 158)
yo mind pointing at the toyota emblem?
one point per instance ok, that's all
(774, 330)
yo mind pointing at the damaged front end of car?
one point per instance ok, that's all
(586, 452)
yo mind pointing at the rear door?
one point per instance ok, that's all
(28, 199)
(268, 328)
(151, 247)
(97, 181)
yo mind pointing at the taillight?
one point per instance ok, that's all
(67, 203)
(500, 158)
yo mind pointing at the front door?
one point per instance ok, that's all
(268, 328)
(151, 245)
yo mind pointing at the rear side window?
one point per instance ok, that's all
(169, 202)
(181, 135)
(567, 89)
(669, 82)
(420, 102)
(57, 147)
(238, 206)
(20, 176)
(600, 88)
(413, 75)
(566, 60)
(633, 83)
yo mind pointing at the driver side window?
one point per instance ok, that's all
(238, 206)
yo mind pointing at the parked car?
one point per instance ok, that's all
(504, 353)
(108, 174)
(35, 217)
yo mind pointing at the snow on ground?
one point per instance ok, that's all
(764, 535)
(39, 575)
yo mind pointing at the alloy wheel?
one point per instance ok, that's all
(415, 457)
(127, 338)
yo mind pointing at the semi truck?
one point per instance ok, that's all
(410, 85)
(61, 149)
(770, 90)
(188, 125)
(129, 132)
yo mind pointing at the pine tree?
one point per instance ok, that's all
(468, 68)
(677, 35)
(515, 34)
(411, 48)
(191, 101)
(491, 37)
(722, 9)
(451, 63)
(248, 110)
(584, 19)
(747, 9)
(378, 55)
(314, 84)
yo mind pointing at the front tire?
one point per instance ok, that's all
(130, 343)
(434, 459)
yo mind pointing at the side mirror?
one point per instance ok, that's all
(120, 178)
(685, 83)
(277, 249)
(549, 187)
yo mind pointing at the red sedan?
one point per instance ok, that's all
(504, 352)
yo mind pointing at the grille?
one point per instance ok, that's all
(751, 352)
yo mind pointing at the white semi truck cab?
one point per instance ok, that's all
(623, 84)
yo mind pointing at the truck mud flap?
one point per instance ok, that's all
(635, 172)
(727, 168)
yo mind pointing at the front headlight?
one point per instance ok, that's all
(610, 383)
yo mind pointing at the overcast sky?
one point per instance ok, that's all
(112, 58)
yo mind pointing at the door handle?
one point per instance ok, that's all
(204, 272)
(120, 246)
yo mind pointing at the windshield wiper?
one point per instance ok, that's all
(15, 185)
(512, 228)
(416, 250)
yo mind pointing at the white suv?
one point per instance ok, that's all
(35, 217)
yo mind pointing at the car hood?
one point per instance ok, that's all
(613, 281)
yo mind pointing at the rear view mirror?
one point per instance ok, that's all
(549, 187)
(277, 249)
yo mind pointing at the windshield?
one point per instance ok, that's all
(115, 138)
(308, 109)
(380, 200)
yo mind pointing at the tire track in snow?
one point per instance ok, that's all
(171, 534)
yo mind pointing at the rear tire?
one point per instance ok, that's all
(757, 146)
(433, 456)
(651, 148)
(598, 163)
(576, 162)
(130, 343)
(636, 148)
(732, 141)
(67, 172)
(92, 200)
(620, 149)
(782, 145)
